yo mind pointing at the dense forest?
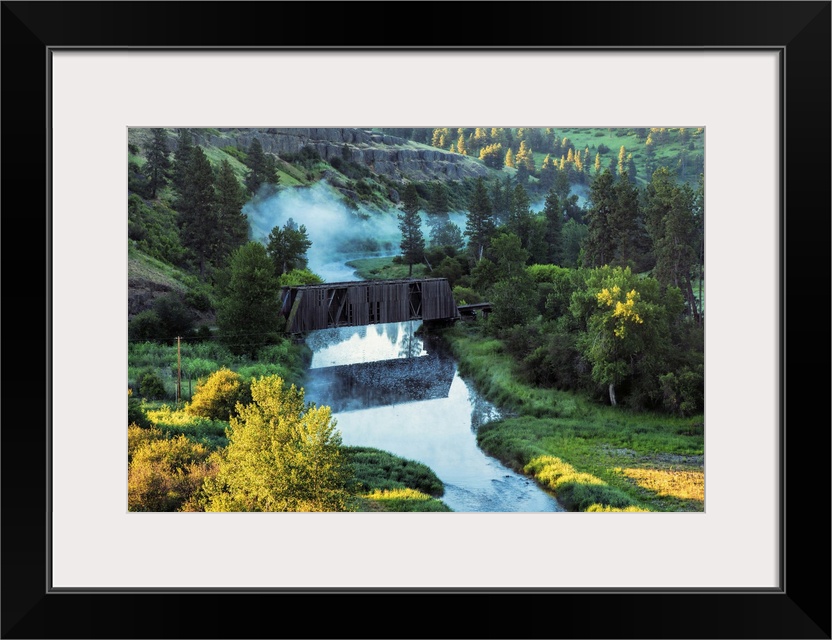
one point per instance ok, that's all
(587, 242)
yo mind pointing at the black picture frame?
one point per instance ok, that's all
(800, 608)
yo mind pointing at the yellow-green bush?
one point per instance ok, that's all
(217, 397)
(165, 474)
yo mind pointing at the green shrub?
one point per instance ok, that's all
(299, 277)
(380, 470)
(175, 318)
(200, 297)
(135, 413)
(145, 327)
(234, 152)
(151, 385)
(166, 474)
(465, 295)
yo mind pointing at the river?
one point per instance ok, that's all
(393, 390)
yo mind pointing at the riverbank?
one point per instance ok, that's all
(592, 457)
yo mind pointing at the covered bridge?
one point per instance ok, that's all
(349, 304)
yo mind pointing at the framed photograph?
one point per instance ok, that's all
(82, 78)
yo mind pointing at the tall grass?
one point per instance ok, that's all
(592, 457)
(400, 500)
(200, 359)
(172, 422)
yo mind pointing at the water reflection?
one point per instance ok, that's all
(373, 384)
(393, 390)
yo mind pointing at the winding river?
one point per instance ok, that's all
(392, 389)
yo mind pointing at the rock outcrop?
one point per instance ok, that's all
(383, 154)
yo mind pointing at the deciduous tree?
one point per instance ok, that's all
(283, 455)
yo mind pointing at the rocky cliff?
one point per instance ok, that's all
(386, 155)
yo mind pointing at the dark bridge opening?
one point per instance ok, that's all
(349, 304)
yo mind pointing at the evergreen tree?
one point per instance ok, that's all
(600, 243)
(410, 224)
(492, 156)
(480, 224)
(553, 215)
(233, 223)
(524, 157)
(438, 203)
(547, 173)
(631, 168)
(199, 227)
(626, 226)
(480, 139)
(520, 220)
(181, 160)
(287, 247)
(509, 158)
(261, 169)
(438, 218)
(561, 185)
(501, 200)
(512, 289)
(622, 160)
(248, 309)
(699, 225)
(650, 153)
(673, 228)
(157, 161)
(522, 175)
(460, 146)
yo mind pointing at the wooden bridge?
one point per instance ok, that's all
(350, 304)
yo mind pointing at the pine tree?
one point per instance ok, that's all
(480, 139)
(199, 227)
(438, 203)
(509, 158)
(261, 169)
(499, 200)
(547, 173)
(248, 309)
(480, 224)
(524, 157)
(410, 224)
(492, 156)
(460, 146)
(520, 216)
(674, 230)
(232, 222)
(287, 247)
(157, 161)
(181, 160)
(626, 226)
(554, 228)
(562, 187)
(622, 158)
(599, 245)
